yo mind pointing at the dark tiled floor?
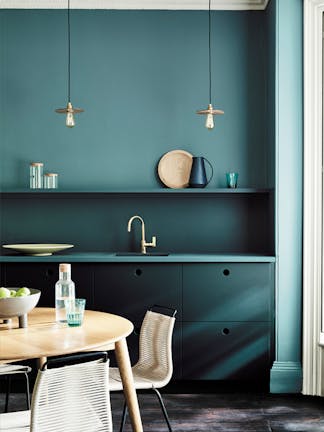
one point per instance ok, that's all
(223, 412)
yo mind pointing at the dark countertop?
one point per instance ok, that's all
(111, 257)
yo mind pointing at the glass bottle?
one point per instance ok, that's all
(64, 289)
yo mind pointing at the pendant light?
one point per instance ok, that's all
(69, 110)
(210, 111)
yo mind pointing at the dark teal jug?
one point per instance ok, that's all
(198, 178)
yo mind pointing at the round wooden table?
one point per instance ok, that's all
(45, 338)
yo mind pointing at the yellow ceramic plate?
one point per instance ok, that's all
(37, 249)
(174, 169)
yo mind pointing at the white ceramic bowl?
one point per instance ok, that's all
(18, 306)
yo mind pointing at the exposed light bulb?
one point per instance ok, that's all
(70, 120)
(69, 111)
(209, 113)
(209, 121)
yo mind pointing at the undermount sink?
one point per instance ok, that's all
(141, 254)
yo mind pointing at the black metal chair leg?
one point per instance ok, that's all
(123, 420)
(163, 408)
(27, 391)
(7, 393)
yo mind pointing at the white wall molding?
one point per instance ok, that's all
(313, 358)
(136, 4)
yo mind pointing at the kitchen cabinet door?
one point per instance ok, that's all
(228, 292)
(43, 276)
(226, 351)
(129, 289)
(2, 275)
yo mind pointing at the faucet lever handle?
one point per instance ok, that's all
(153, 242)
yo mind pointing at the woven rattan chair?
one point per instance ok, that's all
(69, 398)
(154, 367)
(7, 371)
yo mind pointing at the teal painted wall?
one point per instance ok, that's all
(270, 30)
(214, 224)
(140, 76)
(286, 375)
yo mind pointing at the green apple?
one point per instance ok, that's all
(13, 293)
(4, 292)
(24, 291)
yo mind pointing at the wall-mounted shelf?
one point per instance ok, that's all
(138, 4)
(26, 193)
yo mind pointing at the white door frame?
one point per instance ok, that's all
(313, 357)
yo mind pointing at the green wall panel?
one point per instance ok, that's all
(286, 374)
(237, 224)
(140, 76)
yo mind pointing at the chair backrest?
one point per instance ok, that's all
(73, 398)
(155, 347)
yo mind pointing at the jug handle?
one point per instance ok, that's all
(212, 171)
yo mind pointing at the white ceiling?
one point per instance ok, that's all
(136, 4)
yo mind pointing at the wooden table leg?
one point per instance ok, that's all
(126, 375)
(41, 361)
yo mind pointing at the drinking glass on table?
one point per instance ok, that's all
(74, 311)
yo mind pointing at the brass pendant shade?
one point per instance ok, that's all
(210, 112)
(69, 110)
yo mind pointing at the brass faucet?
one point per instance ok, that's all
(144, 244)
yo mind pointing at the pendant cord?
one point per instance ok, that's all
(209, 50)
(69, 54)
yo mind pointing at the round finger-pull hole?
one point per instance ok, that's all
(225, 331)
(226, 272)
(138, 272)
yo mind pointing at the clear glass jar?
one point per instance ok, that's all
(36, 175)
(50, 180)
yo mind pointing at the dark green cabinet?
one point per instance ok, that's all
(227, 292)
(226, 350)
(227, 321)
(2, 275)
(129, 289)
(43, 276)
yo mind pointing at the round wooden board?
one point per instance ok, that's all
(174, 169)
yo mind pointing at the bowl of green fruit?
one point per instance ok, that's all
(17, 302)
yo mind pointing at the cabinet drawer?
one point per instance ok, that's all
(228, 292)
(226, 350)
(43, 276)
(130, 289)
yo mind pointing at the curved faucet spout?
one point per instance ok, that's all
(144, 244)
(129, 226)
